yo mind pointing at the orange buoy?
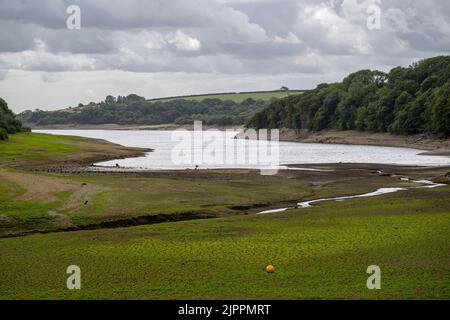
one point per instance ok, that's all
(270, 269)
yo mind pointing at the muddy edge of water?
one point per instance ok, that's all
(380, 191)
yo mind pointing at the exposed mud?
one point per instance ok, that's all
(431, 144)
(379, 191)
(61, 220)
(249, 207)
(7, 219)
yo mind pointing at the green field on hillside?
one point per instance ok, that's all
(236, 97)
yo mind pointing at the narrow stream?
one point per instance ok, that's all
(380, 191)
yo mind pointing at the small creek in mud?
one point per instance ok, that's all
(380, 191)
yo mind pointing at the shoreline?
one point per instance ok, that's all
(431, 145)
(113, 126)
(111, 151)
(96, 150)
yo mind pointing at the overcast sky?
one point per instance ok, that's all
(159, 48)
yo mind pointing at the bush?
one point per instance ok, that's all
(3, 134)
(8, 121)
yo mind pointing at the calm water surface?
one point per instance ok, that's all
(165, 142)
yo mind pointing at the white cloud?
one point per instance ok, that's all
(183, 41)
(335, 32)
(39, 58)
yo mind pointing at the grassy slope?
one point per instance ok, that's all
(236, 97)
(321, 252)
(32, 149)
(144, 196)
(31, 146)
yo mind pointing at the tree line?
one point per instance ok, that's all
(410, 100)
(9, 124)
(134, 109)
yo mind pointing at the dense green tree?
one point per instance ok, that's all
(134, 109)
(8, 122)
(405, 100)
(440, 110)
(110, 100)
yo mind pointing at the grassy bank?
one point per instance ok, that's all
(35, 149)
(320, 252)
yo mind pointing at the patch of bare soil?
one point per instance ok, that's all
(82, 197)
(61, 220)
(39, 187)
(5, 218)
(445, 178)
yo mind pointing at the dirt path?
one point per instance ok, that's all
(44, 188)
(82, 197)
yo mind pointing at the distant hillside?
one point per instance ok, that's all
(408, 100)
(8, 122)
(214, 109)
(236, 96)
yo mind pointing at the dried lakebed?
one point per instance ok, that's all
(164, 142)
(378, 192)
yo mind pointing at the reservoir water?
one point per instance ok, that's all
(217, 149)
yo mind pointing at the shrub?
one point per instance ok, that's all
(3, 134)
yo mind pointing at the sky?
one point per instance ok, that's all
(158, 48)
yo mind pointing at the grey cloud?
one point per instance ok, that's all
(15, 37)
(423, 25)
(230, 37)
(119, 14)
(264, 50)
(48, 13)
(276, 17)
